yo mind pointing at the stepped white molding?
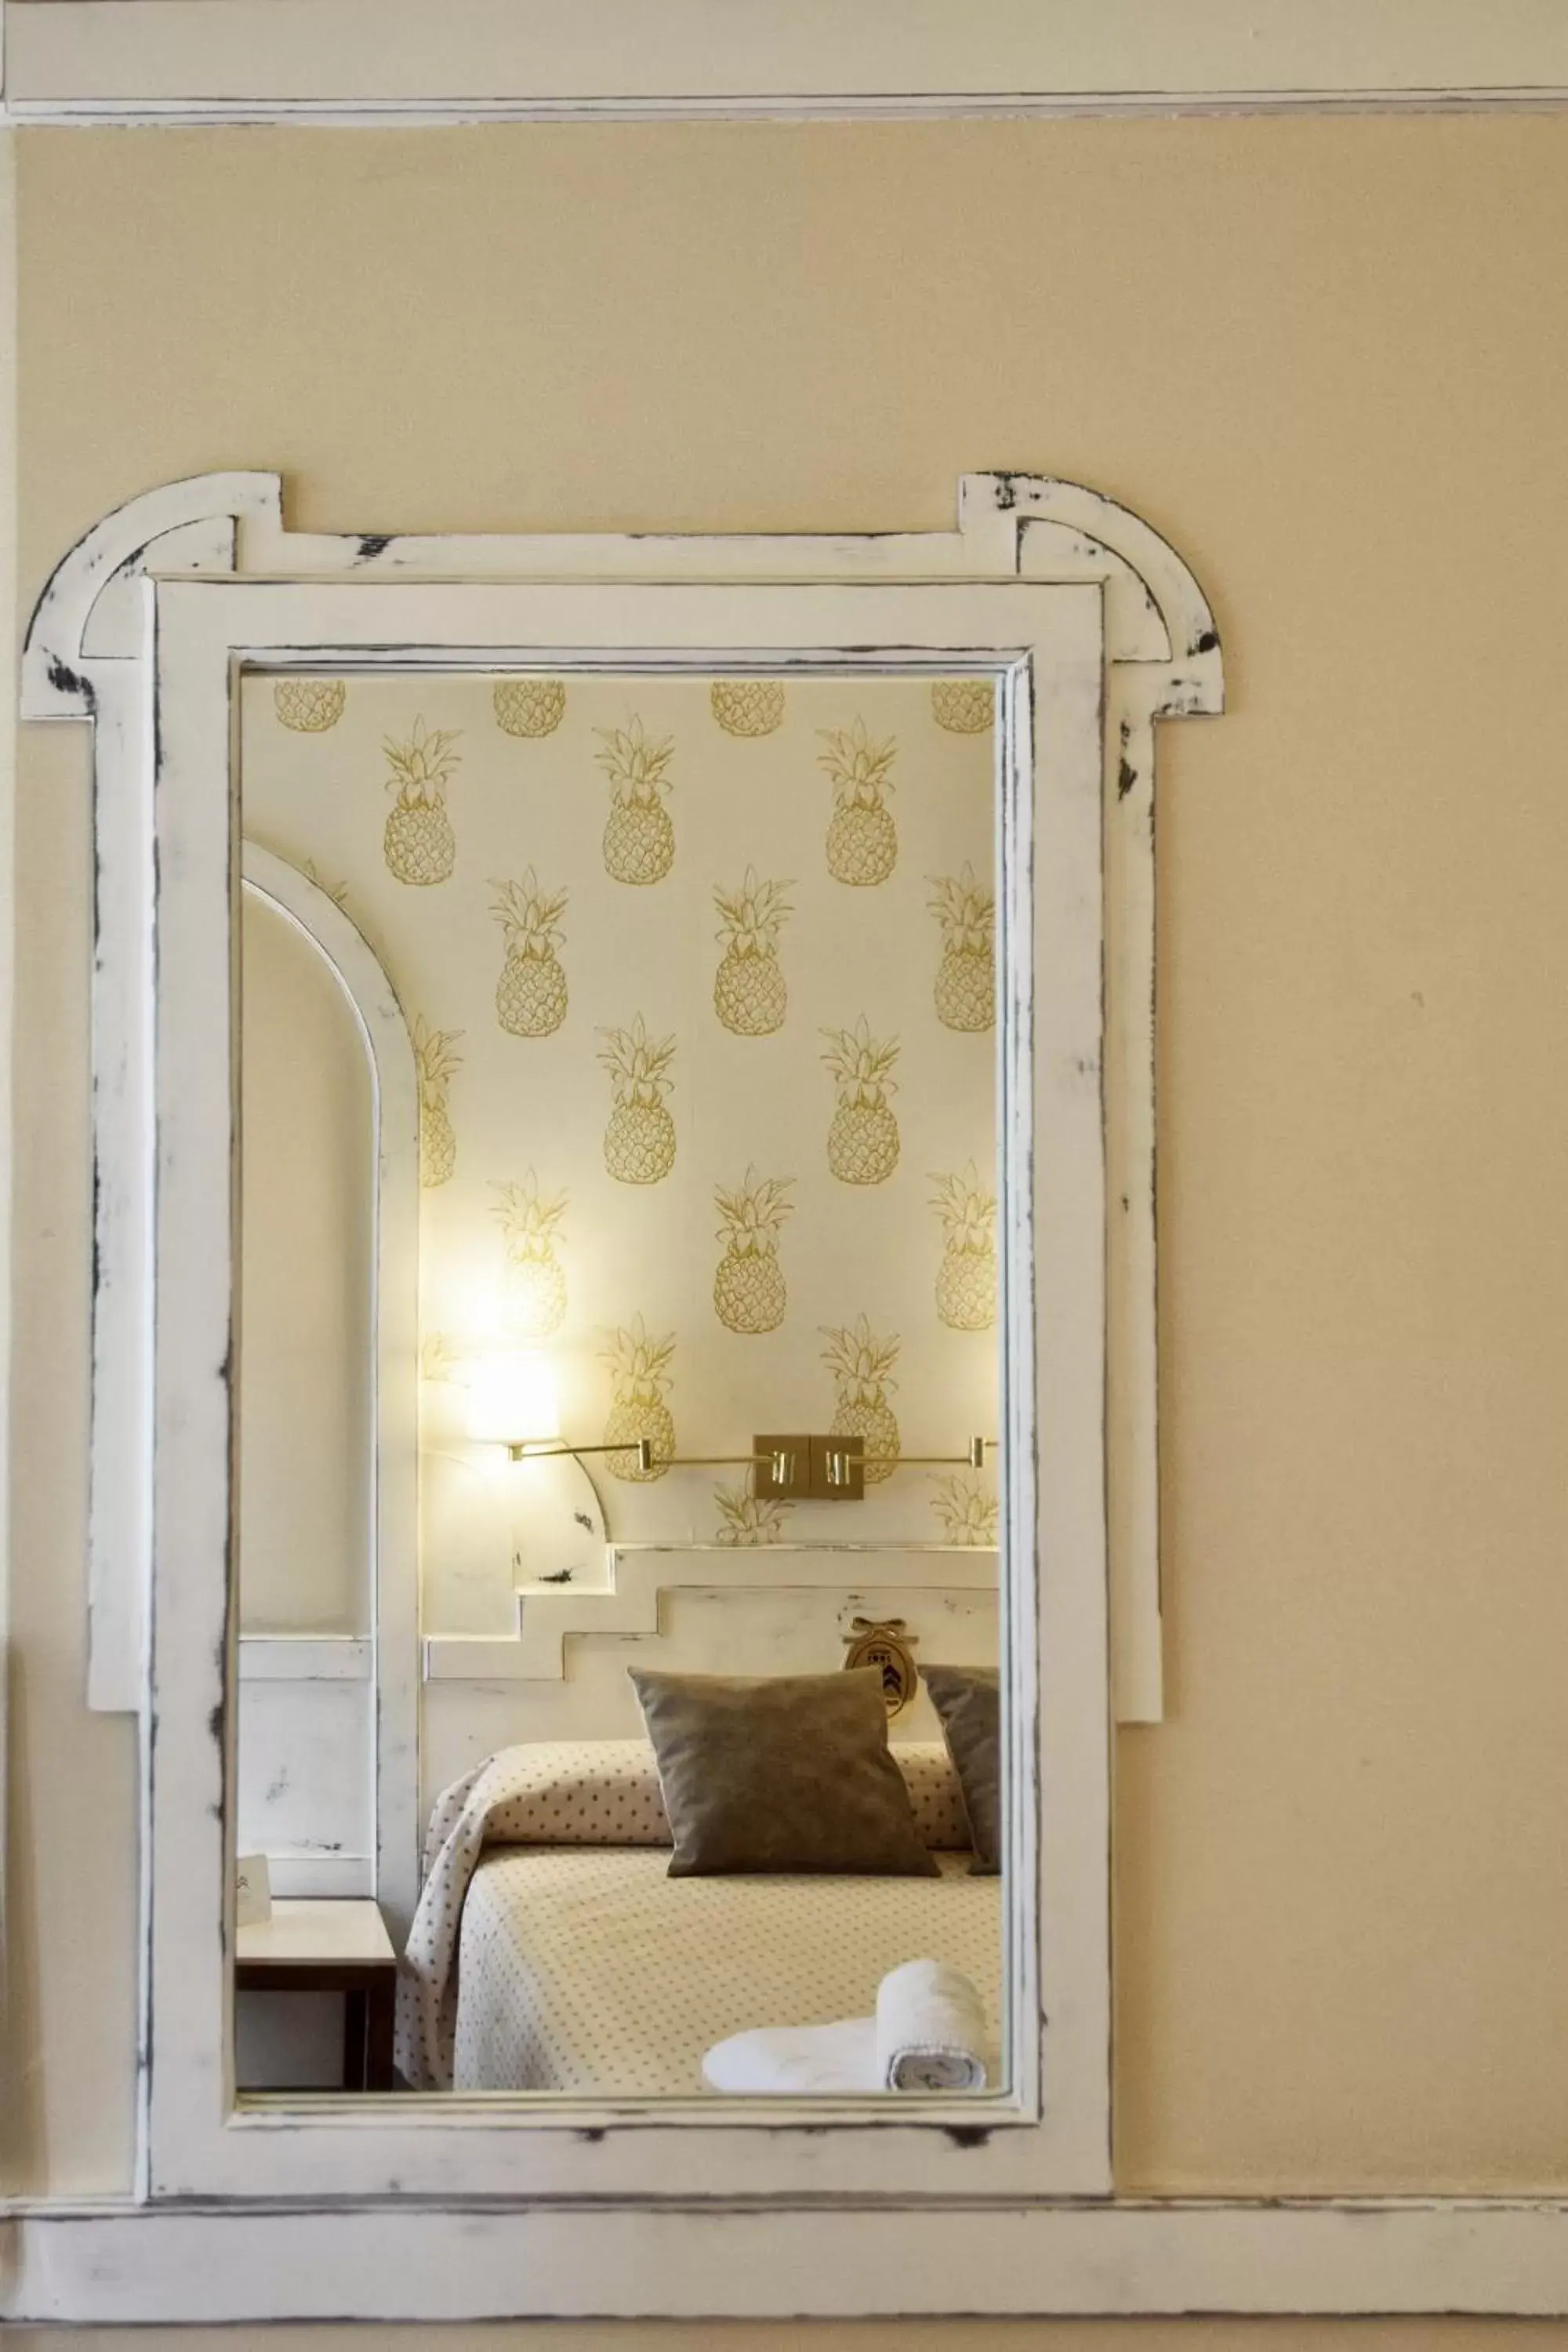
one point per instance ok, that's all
(641, 1574)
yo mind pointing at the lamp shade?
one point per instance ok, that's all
(512, 1399)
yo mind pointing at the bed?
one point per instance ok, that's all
(553, 1953)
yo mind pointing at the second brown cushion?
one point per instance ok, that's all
(780, 1772)
(969, 1701)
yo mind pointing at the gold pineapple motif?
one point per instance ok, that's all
(639, 1141)
(968, 1515)
(966, 988)
(639, 1382)
(420, 845)
(750, 993)
(746, 1520)
(536, 1281)
(438, 1359)
(863, 1140)
(964, 705)
(639, 837)
(966, 1278)
(309, 705)
(531, 995)
(529, 706)
(435, 1062)
(748, 1292)
(862, 840)
(747, 706)
(861, 1363)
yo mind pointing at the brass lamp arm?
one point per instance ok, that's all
(972, 1458)
(526, 1450)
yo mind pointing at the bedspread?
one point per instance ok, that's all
(589, 1970)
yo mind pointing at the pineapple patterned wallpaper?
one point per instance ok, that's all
(700, 974)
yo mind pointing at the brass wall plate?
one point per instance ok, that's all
(809, 1460)
(825, 1488)
(795, 1485)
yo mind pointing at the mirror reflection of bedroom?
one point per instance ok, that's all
(619, 1397)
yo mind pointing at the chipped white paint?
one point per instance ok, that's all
(76, 666)
(306, 1784)
(1170, 669)
(641, 1574)
(85, 654)
(306, 1763)
(1043, 643)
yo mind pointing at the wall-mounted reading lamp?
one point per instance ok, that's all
(513, 1401)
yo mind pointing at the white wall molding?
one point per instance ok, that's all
(396, 61)
(82, 661)
(114, 2264)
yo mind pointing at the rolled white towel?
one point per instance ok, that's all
(839, 2058)
(931, 2030)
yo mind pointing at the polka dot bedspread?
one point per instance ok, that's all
(552, 1952)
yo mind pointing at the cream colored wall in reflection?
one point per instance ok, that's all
(306, 1209)
(1327, 358)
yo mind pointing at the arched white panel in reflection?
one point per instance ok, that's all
(329, 1349)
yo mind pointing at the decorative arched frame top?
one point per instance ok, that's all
(85, 658)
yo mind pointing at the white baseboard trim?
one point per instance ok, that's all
(87, 2267)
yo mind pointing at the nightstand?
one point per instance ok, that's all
(330, 1947)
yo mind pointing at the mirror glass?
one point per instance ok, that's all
(699, 1002)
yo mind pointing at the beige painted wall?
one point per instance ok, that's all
(1327, 358)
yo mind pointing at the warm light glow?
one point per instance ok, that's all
(513, 1400)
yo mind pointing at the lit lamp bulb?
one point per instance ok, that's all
(513, 1401)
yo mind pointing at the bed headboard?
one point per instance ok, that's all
(779, 1609)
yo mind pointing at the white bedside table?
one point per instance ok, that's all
(330, 1947)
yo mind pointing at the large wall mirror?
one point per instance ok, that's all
(636, 1384)
(702, 993)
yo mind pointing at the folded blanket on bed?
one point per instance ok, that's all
(929, 2034)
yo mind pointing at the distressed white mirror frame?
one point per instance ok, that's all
(84, 660)
(1043, 586)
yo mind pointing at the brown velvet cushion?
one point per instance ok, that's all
(782, 1772)
(969, 1701)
